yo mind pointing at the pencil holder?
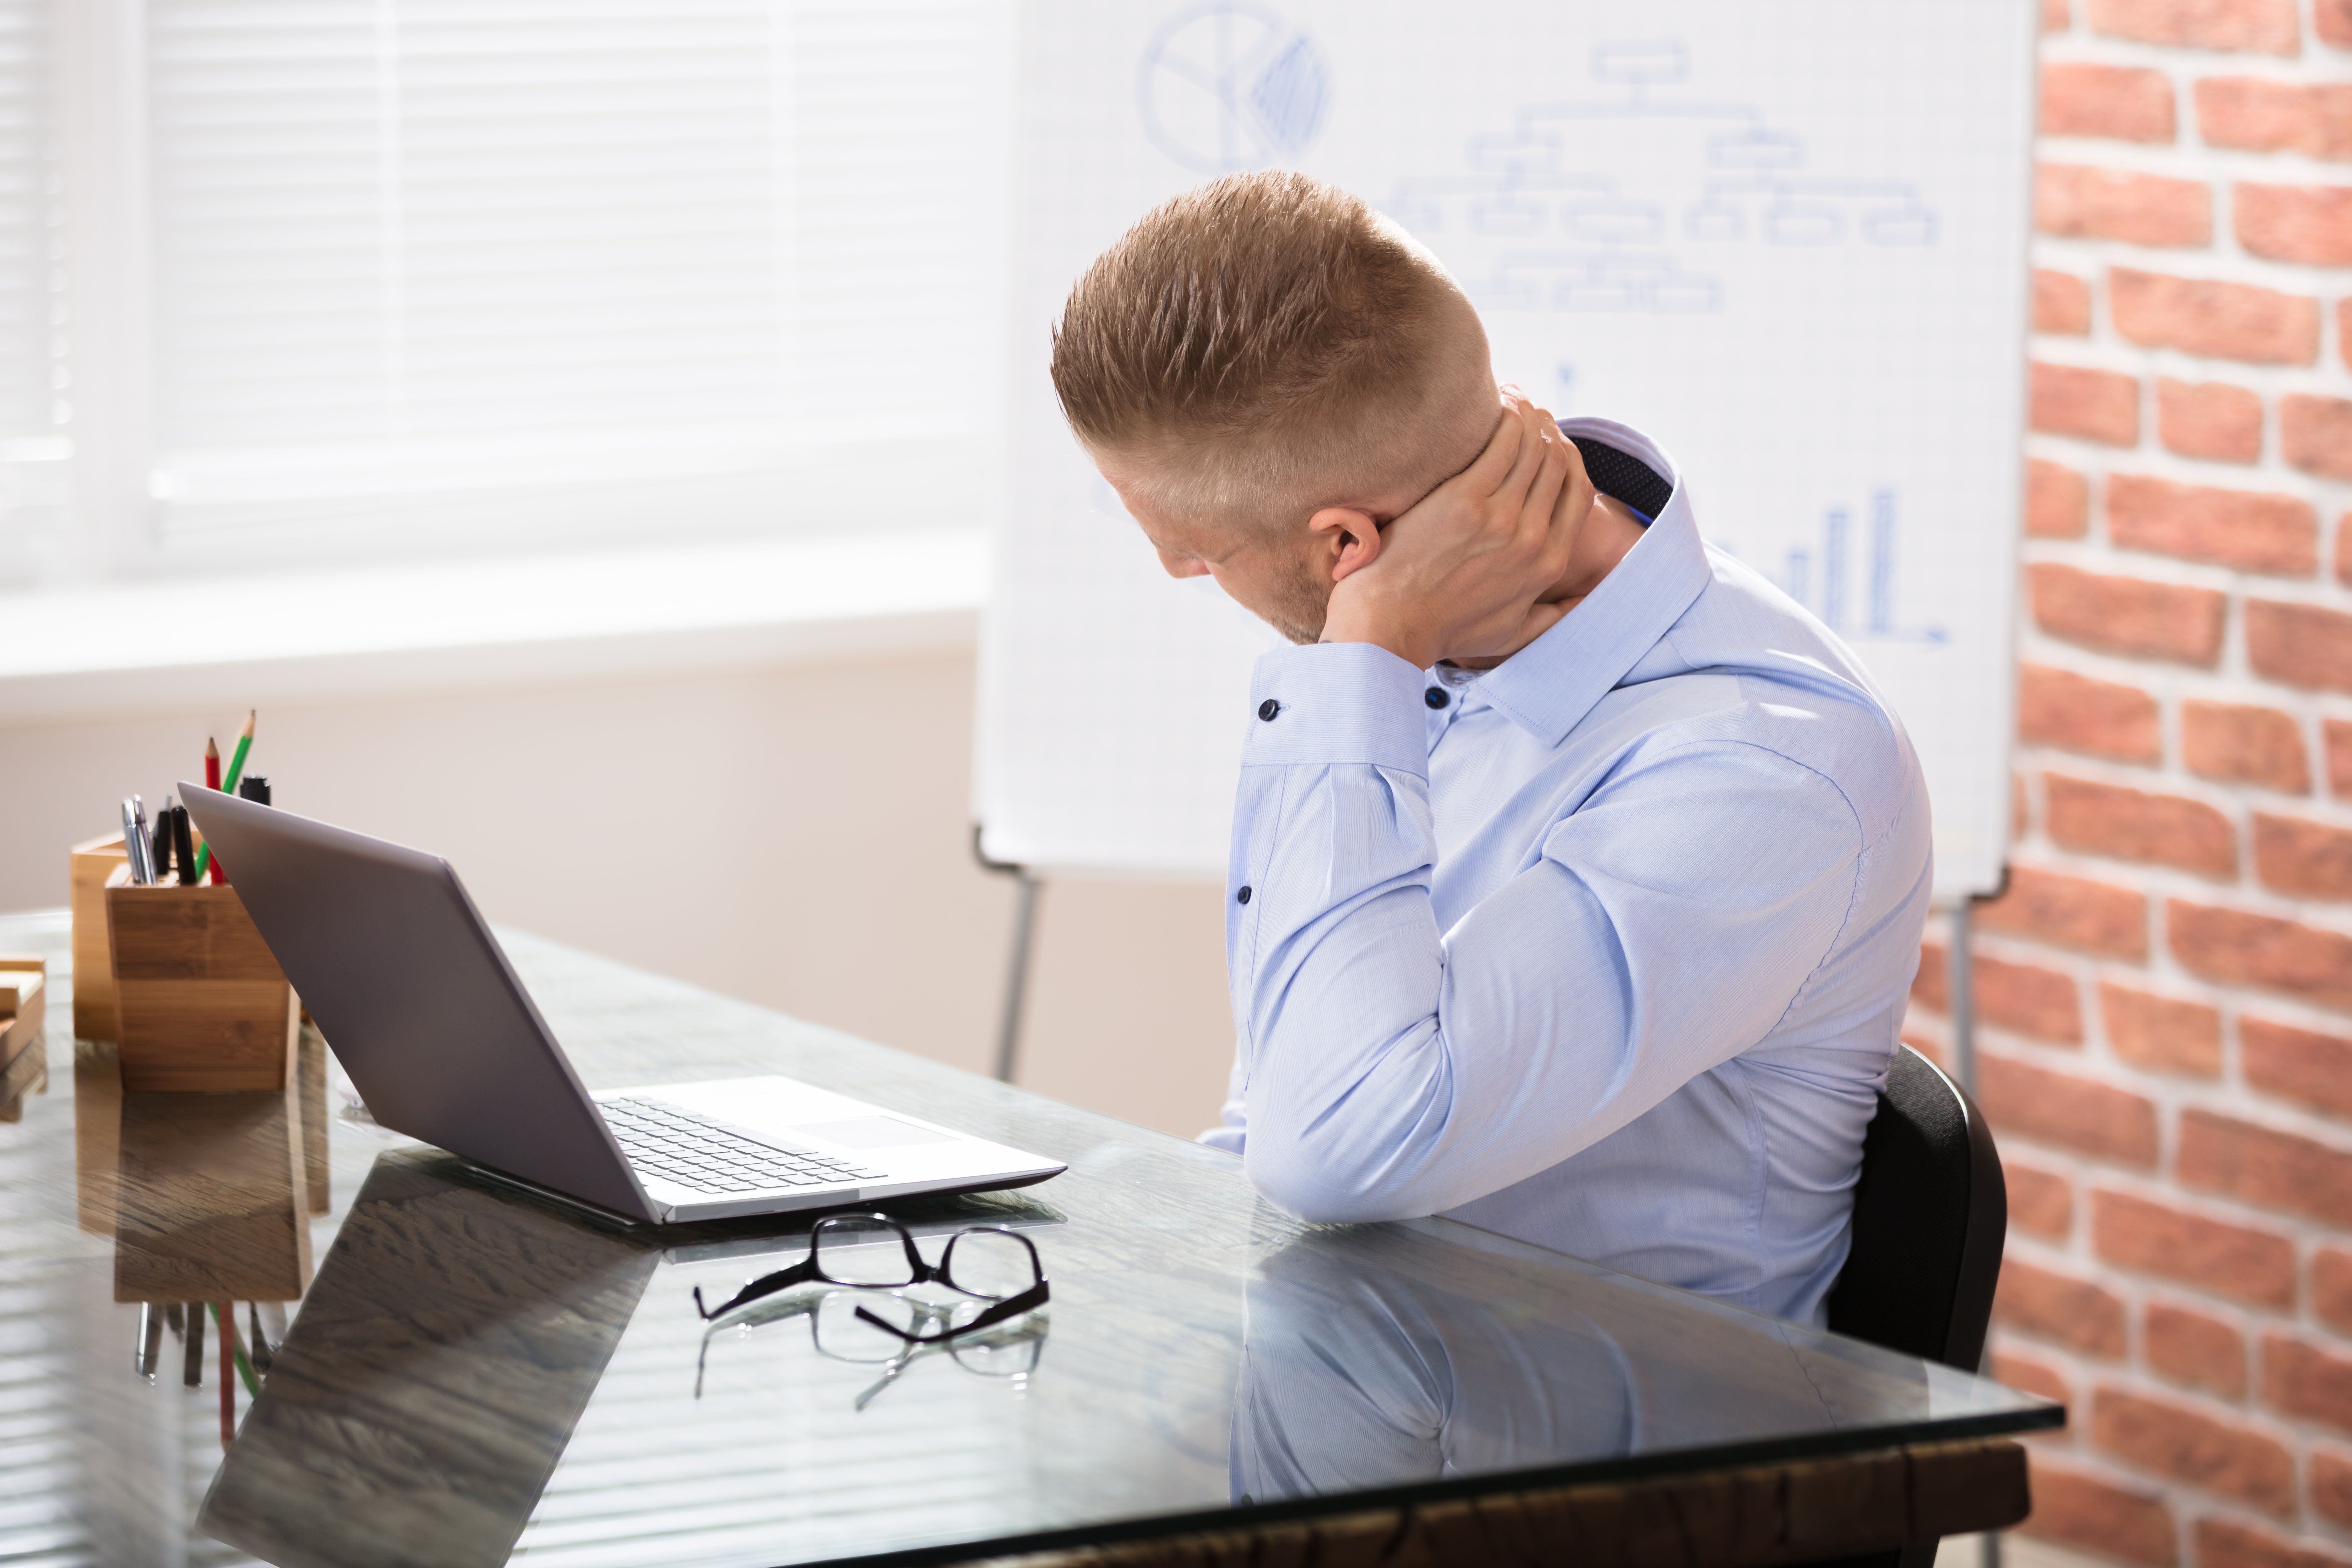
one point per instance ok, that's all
(200, 1005)
(93, 956)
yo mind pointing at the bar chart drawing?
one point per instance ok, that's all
(1831, 594)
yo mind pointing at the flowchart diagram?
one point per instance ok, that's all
(1596, 203)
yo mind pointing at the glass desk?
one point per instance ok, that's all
(475, 1374)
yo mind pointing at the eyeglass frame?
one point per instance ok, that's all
(1032, 1333)
(920, 1273)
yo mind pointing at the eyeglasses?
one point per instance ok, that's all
(1008, 1351)
(991, 1263)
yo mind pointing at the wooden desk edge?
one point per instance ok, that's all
(1799, 1511)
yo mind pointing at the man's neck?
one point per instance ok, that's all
(1609, 530)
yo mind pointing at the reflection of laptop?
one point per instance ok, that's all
(441, 1040)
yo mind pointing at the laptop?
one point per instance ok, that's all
(420, 1005)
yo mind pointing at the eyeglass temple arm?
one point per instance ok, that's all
(1037, 1296)
(766, 1285)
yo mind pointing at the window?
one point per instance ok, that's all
(445, 276)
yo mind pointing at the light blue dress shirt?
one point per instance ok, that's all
(1608, 952)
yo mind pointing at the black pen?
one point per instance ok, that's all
(183, 844)
(192, 1370)
(255, 788)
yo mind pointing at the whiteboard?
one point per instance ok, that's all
(1785, 238)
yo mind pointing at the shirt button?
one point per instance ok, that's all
(1242, 897)
(1268, 709)
(1436, 697)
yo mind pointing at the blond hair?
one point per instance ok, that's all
(1261, 345)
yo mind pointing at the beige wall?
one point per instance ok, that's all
(797, 837)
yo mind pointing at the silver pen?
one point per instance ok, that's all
(135, 841)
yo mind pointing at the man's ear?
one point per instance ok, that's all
(1349, 539)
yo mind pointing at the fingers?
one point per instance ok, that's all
(1488, 471)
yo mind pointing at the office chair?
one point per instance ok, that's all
(1929, 1213)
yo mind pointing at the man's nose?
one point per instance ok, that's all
(1183, 565)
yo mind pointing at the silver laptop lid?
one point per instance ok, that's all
(415, 998)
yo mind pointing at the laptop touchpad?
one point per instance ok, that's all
(871, 1132)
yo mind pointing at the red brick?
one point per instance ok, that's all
(2075, 713)
(2172, 1440)
(2331, 1486)
(2018, 817)
(2227, 1259)
(2121, 102)
(2039, 1201)
(2316, 434)
(2226, 1543)
(2309, 859)
(2252, 531)
(2297, 1064)
(2057, 500)
(2092, 1513)
(2054, 18)
(2027, 999)
(2307, 223)
(2127, 615)
(2164, 1034)
(2192, 1348)
(2338, 735)
(1928, 986)
(2249, 27)
(2070, 1113)
(2072, 911)
(2059, 1308)
(2243, 744)
(2343, 550)
(2331, 1287)
(2215, 319)
(2259, 115)
(2094, 405)
(2332, 20)
(2093, 818)
(2344, 317)
(2300, 644)
(2236, 948)
(2033, 1376)
(2062, 304)
(2263, 1166)
(2079, 202)
(2301, 1379)
(2209, 419)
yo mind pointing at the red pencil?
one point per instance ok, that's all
(211, 781)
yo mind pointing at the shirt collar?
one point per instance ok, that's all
(1547, 687)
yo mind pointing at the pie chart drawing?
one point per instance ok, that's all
(1229, 85)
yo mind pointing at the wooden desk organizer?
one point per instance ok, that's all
(200, 1005)
(93, 960)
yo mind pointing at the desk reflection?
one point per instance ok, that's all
(1383, 1357)
(443, 1355)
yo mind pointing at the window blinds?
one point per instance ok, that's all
(32, 394)
(410, 250)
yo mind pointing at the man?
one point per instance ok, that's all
(1577, 874)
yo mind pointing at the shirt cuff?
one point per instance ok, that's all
(1329, 703)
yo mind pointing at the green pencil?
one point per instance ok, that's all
(228, 785)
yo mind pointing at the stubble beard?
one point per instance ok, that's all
(1301, 605)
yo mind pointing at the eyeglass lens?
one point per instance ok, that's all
(989, 1263)
(851, 1250)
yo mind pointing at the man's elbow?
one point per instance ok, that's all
(1328, 1187)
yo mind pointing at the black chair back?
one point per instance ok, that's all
(1929, 1215)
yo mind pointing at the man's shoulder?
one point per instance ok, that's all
(1747, 666)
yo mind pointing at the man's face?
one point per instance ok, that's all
(1283, 581)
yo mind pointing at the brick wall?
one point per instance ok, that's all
(2165, 992)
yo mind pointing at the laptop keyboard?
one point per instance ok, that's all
(709, 1156)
